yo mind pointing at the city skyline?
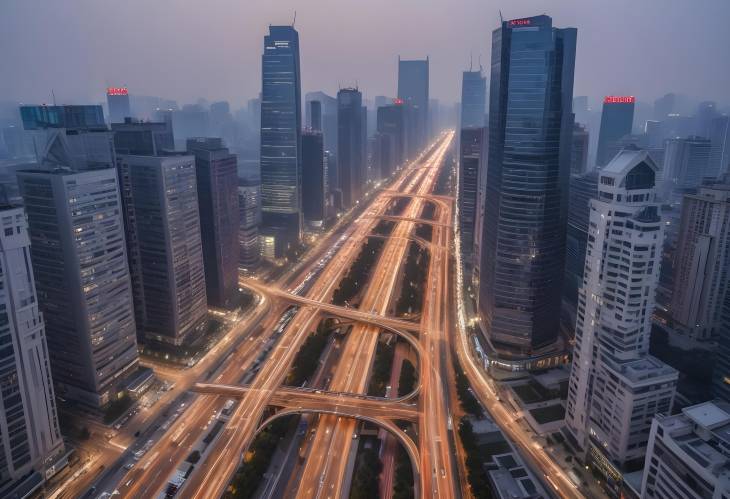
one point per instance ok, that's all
(332, 294)
(607, 60)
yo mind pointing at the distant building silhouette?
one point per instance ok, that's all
(117, 100)
(413, 89)
(617, 118)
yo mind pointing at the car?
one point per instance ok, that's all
(128, 466)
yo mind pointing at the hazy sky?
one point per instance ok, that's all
(185, 49)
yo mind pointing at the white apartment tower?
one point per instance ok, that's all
(616, 387)
(30, 439)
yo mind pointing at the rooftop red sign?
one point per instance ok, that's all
(520, 22)
(398, 102)
(619, 99)
(117, 91)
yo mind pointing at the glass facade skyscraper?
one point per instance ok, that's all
(217, 178)
(166, 255)
(350, 145)
(473, 99)
(413, 91)
(472, 146)
(313, 181)
(281, 123)
(530, 134)
(617, 118)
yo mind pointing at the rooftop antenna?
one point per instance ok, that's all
(471, 60)
(295, 19)
(501, 19)
(480, 63)
(54, 97)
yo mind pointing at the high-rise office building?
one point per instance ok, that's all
(249, 215)
(685, 165)
(719, 135)
(313, 179)
(32, 442)
(579, 151)
(688, 454)
(117, 100)
(472, 145)
(165, 252)
(702, 263)
(217, 178)
(583, 188)
(617, 118)
(315, 112)
(143, 138)
(328, 107)
(580, 109)
(82, 277)
(705, 115)
(414, 92)
(391, 123)
(526, 201)
(615, 386)
(281, 139)
(350, 147)
(664, 106)
(473, 99)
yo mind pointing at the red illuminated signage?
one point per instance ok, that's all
(520, 22)
(398, 102)
(619, 99)
(117, 91)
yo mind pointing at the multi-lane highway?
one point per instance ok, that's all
(277, 329)
(216, 470)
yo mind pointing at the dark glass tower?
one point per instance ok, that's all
(215, 171)
(473, 99)
(530, 134)
(117, 100)
(582, 189)
(472, 146)
(350, 145)
(313, 188)
(413, 90)
(391, 124)
(616, 120)
(281, 120)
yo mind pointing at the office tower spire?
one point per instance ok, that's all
(530, 133)
(281, 123)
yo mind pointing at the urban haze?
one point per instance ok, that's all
(344, 249)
